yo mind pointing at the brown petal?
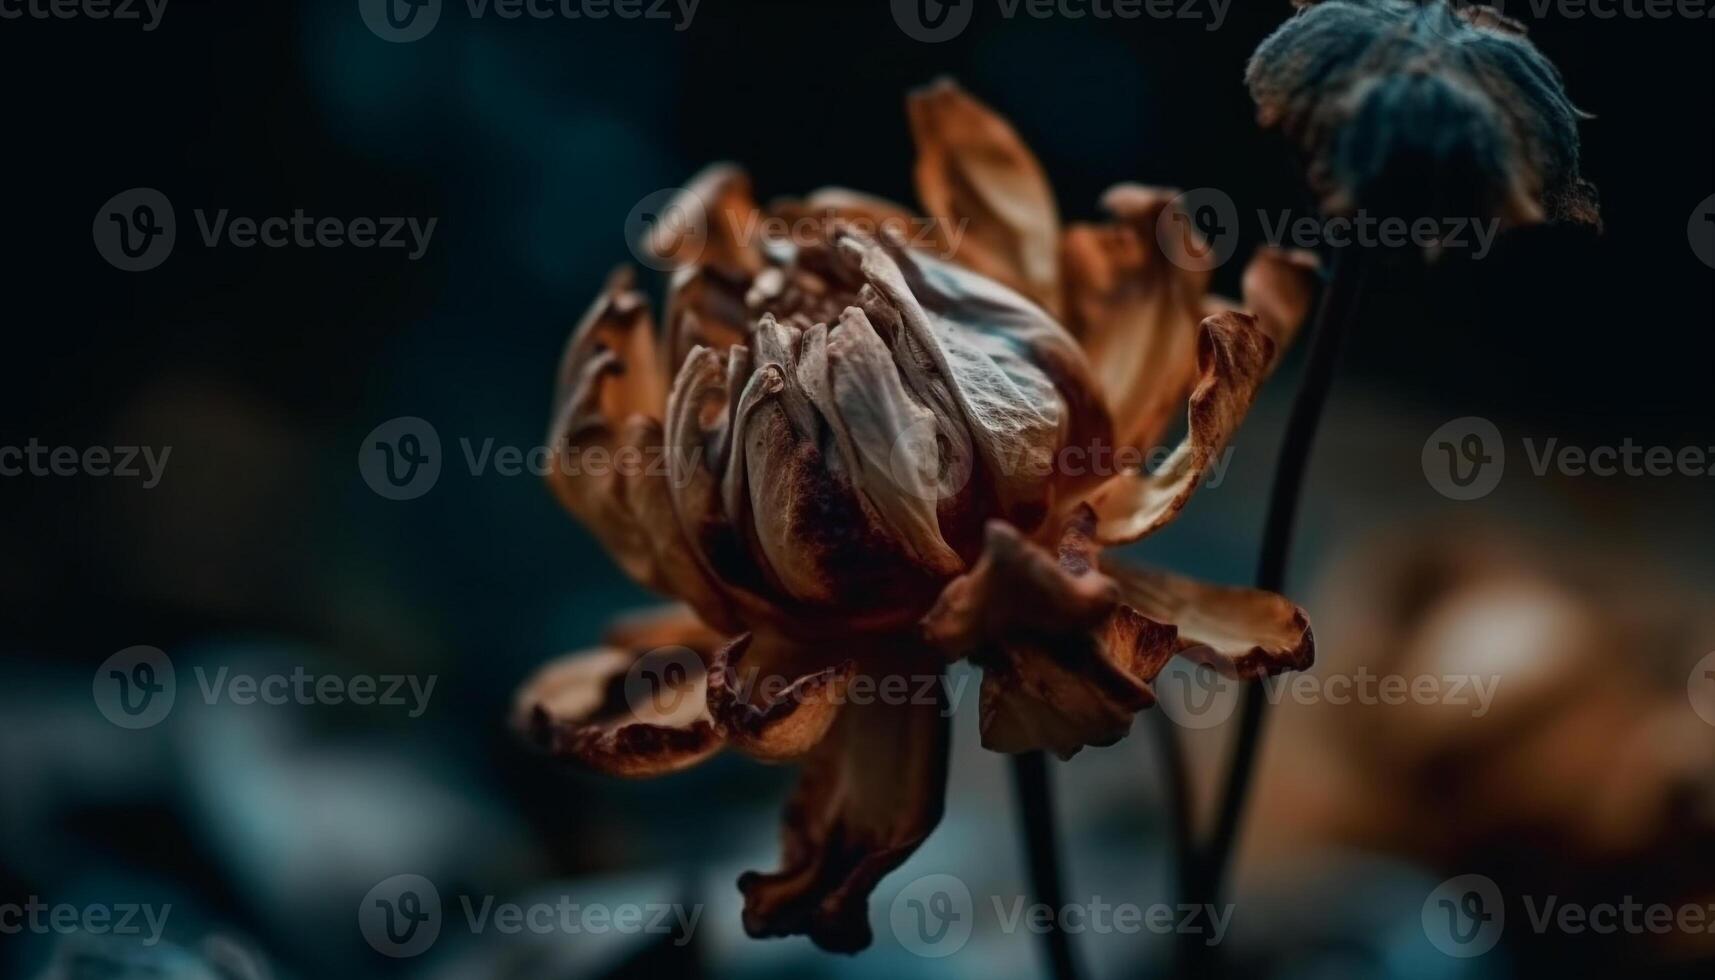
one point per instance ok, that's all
(772, 699)
(813, 218)
(705, 303)
(634, 707)
(1065, 664)
(1135, 307)
(610, 399)
(1280, 288)
(986, 191)
(1233, 359)
(1021, 386)
(1243, 633)
(723, 224)
(868, 796)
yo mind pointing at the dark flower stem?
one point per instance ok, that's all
(1177, 775)
(1340, 302)
(1036, 806)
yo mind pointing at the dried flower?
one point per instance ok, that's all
(1423, 108)
(880, 454)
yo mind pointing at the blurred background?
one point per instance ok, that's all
(262, 551)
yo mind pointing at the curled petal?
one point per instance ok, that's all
(1135, 305)
(774, 700)
(986, 191)
(868, 796)
(1280, 288)
(1016, 581)
(706, 296)
(814, 218)
(634, 707)
(1069, 649)
(715, 224)
(1233, 359)
(1018, 381)
(610, 399)
(1243, 633)
(1065, 664)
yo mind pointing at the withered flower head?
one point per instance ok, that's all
(1423, 108)
(889, 441)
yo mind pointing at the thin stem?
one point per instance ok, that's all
(1340, 303)
(1036, 805)
(1184, 855)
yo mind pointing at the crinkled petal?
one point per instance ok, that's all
(1135, 306)
(1020, 384)
(1065, 664)
(1280, 288)
(633, 707)
(706, 296)
(1070, 647)
(986, 191)
(773, 699)
(607, 445)
(867, 797)
(814, 218)
(1234, 356)
(1243, 633)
